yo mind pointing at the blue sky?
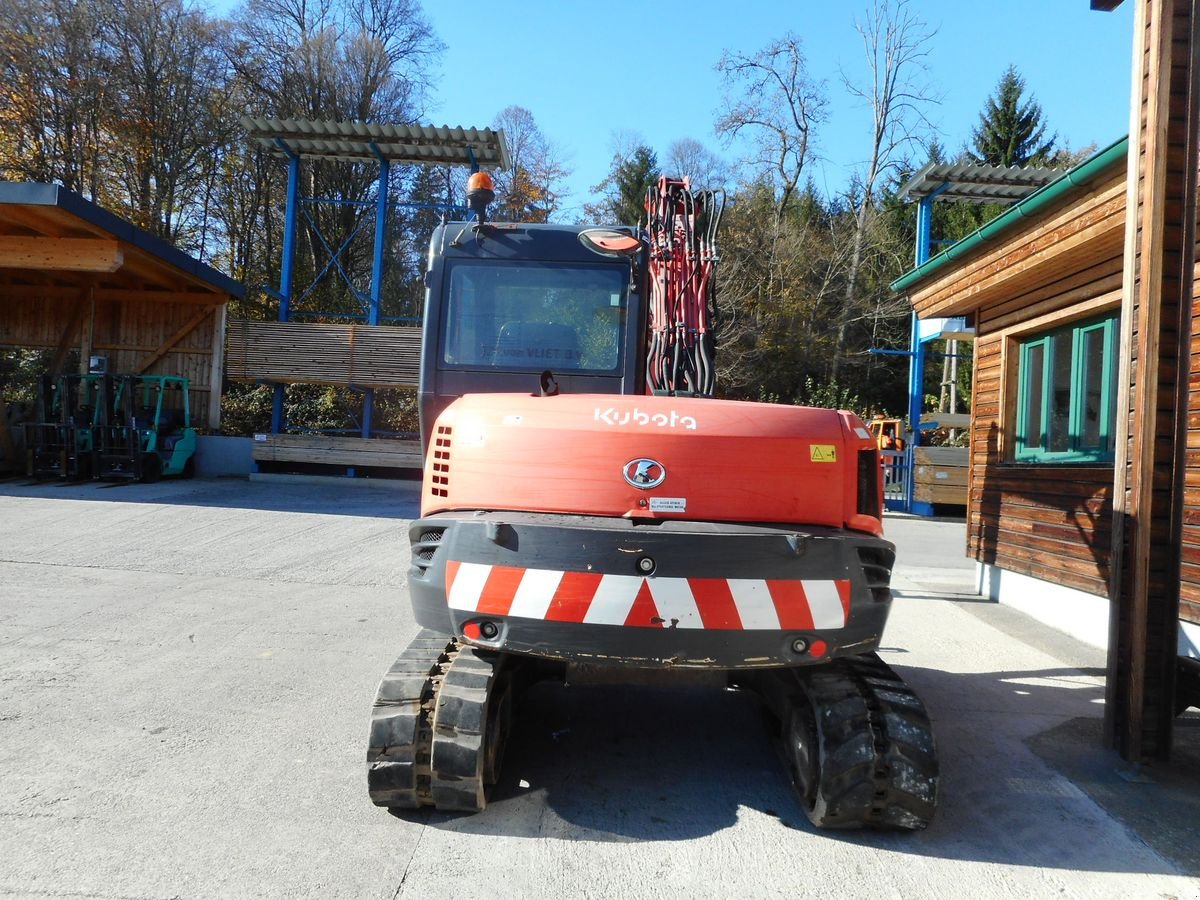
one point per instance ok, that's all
(587, 71)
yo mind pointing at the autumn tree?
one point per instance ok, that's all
(55, 68)
(170, 116)
(334, 60)
(1011, 130)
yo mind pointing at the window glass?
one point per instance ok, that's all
(528, 315)
(1092, 384)
(1034, 362)
(1067, 390)
(1059, 424)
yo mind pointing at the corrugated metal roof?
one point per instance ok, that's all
(355, 141)
(972, 183)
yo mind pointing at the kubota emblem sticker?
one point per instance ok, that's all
(644, 473)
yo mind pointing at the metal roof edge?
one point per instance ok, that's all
(41, 194)
(1071, 180)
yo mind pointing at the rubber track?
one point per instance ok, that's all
(879, 763)
(461, 731)
(401, 732)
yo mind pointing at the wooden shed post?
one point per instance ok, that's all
(1155, 360)
(87, 331)
(216, 379)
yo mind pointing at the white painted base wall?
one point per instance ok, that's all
(1083, 616)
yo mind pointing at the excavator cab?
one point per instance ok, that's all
(506, 303)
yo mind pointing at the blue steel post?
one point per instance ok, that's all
(285, 270)
(381, 207)
(916, 361)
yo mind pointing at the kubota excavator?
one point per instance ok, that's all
(590, 512)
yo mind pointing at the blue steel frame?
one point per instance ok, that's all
(295, 208)
(916, 357)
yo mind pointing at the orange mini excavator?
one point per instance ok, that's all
(589, 512)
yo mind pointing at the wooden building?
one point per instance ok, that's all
(75, 277)
(1084, 485)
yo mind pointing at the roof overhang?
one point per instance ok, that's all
(362, 141)
(1068, 184)
(52, 241)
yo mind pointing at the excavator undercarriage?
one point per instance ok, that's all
(855, 739)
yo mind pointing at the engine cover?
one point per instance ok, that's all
(654, 457)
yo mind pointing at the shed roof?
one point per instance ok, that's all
(356, 141)
(1066, 184)
(52, 238)
(971, 183)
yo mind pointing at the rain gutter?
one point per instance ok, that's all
(1083, 174)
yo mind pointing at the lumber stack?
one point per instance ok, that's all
(321, 449)
(940, 474)
(375, 356)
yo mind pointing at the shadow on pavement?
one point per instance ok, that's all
(319, 498)
(619, 764)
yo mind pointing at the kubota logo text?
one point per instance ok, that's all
(635, 416)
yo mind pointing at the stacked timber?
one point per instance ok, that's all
(940, 474)
(319, 449)
(374, 356)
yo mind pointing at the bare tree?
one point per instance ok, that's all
(532, 189)
(771, 98)
(688, 158)
(896, 45)
(170, 117)
(339, 60)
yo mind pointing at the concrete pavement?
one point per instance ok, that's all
(186, 671)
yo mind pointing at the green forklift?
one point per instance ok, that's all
(61, 441)
(148, 433)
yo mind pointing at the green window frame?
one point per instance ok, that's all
(1067, 393)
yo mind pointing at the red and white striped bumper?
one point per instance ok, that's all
(741, 604)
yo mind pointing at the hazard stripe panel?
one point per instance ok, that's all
(738, 604)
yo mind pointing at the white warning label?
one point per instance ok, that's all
(668, 504)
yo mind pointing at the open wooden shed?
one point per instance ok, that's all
(76, 277)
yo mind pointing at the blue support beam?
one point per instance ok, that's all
(916, 359)
(381, 208)
(289, 231)
(278, 418)
(924, 229)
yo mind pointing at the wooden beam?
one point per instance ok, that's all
(66, 254)
(68, 335)
(178, 336)
(87, 333)
(217, 371)
(117, 294)
(1155, 322)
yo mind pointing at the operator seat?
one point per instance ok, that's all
(542, 345)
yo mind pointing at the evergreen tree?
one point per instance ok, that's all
(1011, 131)
(623, 192)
